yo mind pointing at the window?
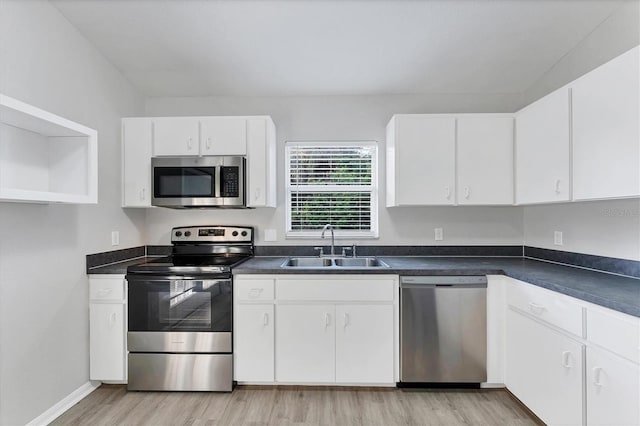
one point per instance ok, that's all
(332, 182)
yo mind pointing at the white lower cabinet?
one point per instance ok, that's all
(107, 328)
(334, 343)
(364, 344)
(315, 329)
(613, 389)
(571, 362)
(106, 323)
(254, 343)
(544, 369)
(305, 343)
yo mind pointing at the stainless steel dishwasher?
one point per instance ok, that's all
(443, 330)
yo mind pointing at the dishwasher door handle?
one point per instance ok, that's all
(442, 286)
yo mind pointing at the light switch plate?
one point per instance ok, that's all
(557, 238)
(438, 234)
(270, 235)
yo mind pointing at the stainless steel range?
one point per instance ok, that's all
(180, 311)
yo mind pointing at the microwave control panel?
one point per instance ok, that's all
(230, 177)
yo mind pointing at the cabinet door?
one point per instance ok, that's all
(422, 150)
(106, 342)
(485, 160)
(606, 136)
(175, 136)
(542, 150)
(364, 344)
(305, 343)
(544, 369)
(223, 136)
(260, 163)
(253, 343)
(613, 389)
(136, 162)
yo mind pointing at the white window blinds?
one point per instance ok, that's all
(332, 183)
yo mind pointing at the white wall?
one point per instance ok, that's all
(346, 118)
(617, 34)
(44, 327)
(604, 228)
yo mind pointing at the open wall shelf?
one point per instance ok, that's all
(44, 157)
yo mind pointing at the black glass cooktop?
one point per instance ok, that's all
(189, 264)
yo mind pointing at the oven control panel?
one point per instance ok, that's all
(212, 234)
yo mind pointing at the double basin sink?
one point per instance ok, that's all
(334, 262)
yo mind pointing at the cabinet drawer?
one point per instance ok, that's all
(335, 289)
(253, 289)
(554, 308)
(106, 289)
(616, 332)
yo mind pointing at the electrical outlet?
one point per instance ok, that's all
(557, 238)
(438, 234)
(115, 238)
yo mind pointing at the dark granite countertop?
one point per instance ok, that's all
(120, 267)
(612, 291)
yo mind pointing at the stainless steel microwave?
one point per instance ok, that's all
(184, 182)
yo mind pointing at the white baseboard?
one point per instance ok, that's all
(64, 404)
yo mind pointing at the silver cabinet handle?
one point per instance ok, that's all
(142, 194)
(327, 320)
(557, 186)
(189, 143)
(112, 319)
(265, 319)
(467, 192)
(208, 143)
(257, 194)
(346, 319)
(447, 192)
(566, 358)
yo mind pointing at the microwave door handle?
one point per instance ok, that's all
(217, 184)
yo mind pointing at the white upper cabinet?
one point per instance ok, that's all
(421, 160)
(44, 157)
(253, 137)
(223, 136)
(261, 162)
(176, 136)
(136, 162)
(485, 159)
(543, 150)
(606, 137)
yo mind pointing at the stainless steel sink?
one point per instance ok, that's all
(360, 262)
(341, 262)
(307, 262)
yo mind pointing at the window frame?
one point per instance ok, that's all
(289, 188)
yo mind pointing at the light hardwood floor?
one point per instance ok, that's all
(298, 405)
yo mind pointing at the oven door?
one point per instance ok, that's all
(179, 314)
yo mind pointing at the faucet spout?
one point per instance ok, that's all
(333, 238)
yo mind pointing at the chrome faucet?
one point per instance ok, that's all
(333, 238)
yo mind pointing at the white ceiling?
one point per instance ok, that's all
(323, 47)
